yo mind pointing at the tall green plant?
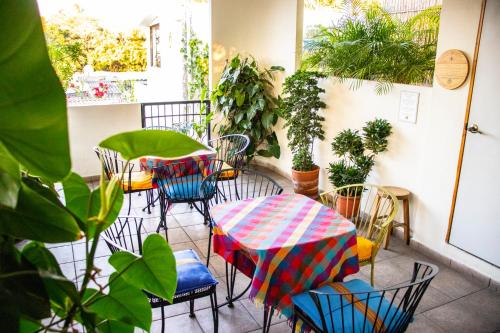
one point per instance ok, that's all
(370, 44)
(356, 153)
(34, 150)
(300, 109)
(245, 97)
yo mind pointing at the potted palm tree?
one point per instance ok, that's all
(356, 154)
(300, 109)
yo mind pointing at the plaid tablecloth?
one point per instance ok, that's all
(292, 244)
(150, 162)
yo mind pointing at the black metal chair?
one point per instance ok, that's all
(354, 306)
(133, 180)
(194, 280)
(187, 182)
(230, 149)
(246, 184)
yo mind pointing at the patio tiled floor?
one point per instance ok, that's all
(453, 302)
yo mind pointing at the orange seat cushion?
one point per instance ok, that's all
(139, 180)
(365, 247)
(227, 173)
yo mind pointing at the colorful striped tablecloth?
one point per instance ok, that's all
(291, 244)
(150, 162)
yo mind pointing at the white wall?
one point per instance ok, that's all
(89, 125)
(422, 157)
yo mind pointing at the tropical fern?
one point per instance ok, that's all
(370, 44)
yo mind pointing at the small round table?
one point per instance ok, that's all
(404, 196)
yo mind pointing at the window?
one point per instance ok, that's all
(154, 45)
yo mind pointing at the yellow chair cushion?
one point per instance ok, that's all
(139, 180)
(365, 247)
(227, 173)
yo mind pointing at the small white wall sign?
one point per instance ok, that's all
(408, 106)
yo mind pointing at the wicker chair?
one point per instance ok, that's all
(354, 306)
(371, 208)
(132, 179)
(194, 280)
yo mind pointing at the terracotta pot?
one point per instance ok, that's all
(306, 182)
(348, 206)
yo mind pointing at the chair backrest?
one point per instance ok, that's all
(231, 148)
(389, 309)
(245, 184)
(115, 166)
(185, 181)
(370, 207)
(125, 235)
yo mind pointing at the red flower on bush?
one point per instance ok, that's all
(100, 91)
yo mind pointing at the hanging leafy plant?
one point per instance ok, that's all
(245, 97)
(370, 44)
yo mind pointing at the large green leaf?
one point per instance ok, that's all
(38, 217)
(59, 288)
(22, 292)
(155, 271)
(10, 179)
(124, 303)
(94, 207)
(33, 120)
(77, 195)
(113, 326)
(132, 145)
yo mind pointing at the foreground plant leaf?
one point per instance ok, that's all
(124, 303)
(77, 195)
(33, 120)
(132, 145)
(22, 292)
(95, 207)
(38, 217)
(113, 326)
(154, 272)
(58, 287)
(10, 179)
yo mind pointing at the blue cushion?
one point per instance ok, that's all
(305, 302)
(192, 274)
(187, 188)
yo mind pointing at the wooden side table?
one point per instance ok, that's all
(404, 196)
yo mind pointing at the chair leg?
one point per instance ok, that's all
(191, 308)
(129, 202)
(209, 244)
(162, 319)
(268, 315)
(372, 273)
(215, 310)
(294, 325)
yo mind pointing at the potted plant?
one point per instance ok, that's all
(357, 156)
(245, 98)
(300, 109)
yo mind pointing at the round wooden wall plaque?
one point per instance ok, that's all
(452, 69)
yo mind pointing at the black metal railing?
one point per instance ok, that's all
(178, 115)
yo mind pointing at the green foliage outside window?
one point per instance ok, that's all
(300, 108)
(195, 54)
(245, 97)
(77, 40)
(370, 44)
(357, 153)
(34, 150)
